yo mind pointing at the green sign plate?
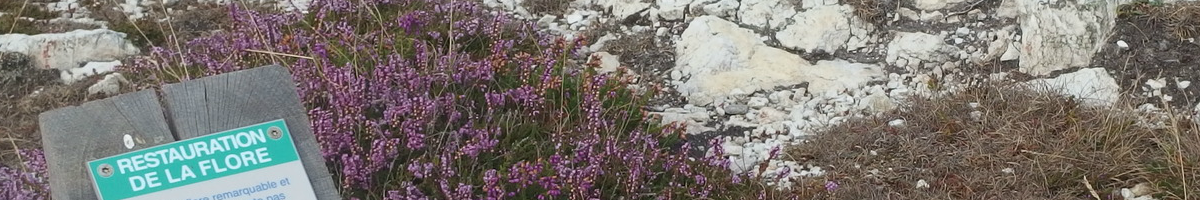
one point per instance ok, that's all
(253, 162)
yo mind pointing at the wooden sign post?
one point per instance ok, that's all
(101, 129)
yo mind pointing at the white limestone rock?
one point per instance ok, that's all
(826, 28)
(693, 120)
(722, 8)
(768, 14)
(911, 50)
(721, 57)
(70, 76)
(1093, 86)
(68, 50)
(608, 62)
(1056, 37)
(110, 85)
(934, 4)
(622, 9)
(809, 4)
(509, 5)
(672, 10)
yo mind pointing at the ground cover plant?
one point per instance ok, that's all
(439, 99)
(443, 100)
(1000, 140)
(21, 17)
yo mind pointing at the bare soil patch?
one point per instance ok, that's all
(1161, 42)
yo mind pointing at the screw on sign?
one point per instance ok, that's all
(275, 132)
(106, 170)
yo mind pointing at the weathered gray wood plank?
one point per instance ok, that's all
(71, 136)
(226, 101)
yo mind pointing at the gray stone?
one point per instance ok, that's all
(736, 109)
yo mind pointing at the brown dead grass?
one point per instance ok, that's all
(1056, 148)
(1181, 18)
(26, 92)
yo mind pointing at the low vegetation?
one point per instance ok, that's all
(439, 99)
(20, 16)
(1002, 140)
(443, 100)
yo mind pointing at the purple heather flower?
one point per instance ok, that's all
(783, 173)
(26, 181)
(774, 152)
(831, 185)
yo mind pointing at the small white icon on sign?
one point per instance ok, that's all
(128, 141)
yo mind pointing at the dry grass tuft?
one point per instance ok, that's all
(1021, 144)
(26, 92)
(1181, 18)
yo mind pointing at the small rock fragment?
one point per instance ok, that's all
(110, 85)
(757, 102)
(736, 109)
(1156, 84)
(922, 184)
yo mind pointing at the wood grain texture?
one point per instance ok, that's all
(71, 136)
(226, 101)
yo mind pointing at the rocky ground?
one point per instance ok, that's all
(762, 74)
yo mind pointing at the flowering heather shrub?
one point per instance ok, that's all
(28, 182)
(430, 99)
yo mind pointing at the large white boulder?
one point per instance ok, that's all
(1055, 37)
(826, 28)
(1092, 86)
(721, 57)
(69, 50)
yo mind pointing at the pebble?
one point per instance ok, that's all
(757, 102)
(736, 109)
(963, 31)
(574, 18)
(1156, 84)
